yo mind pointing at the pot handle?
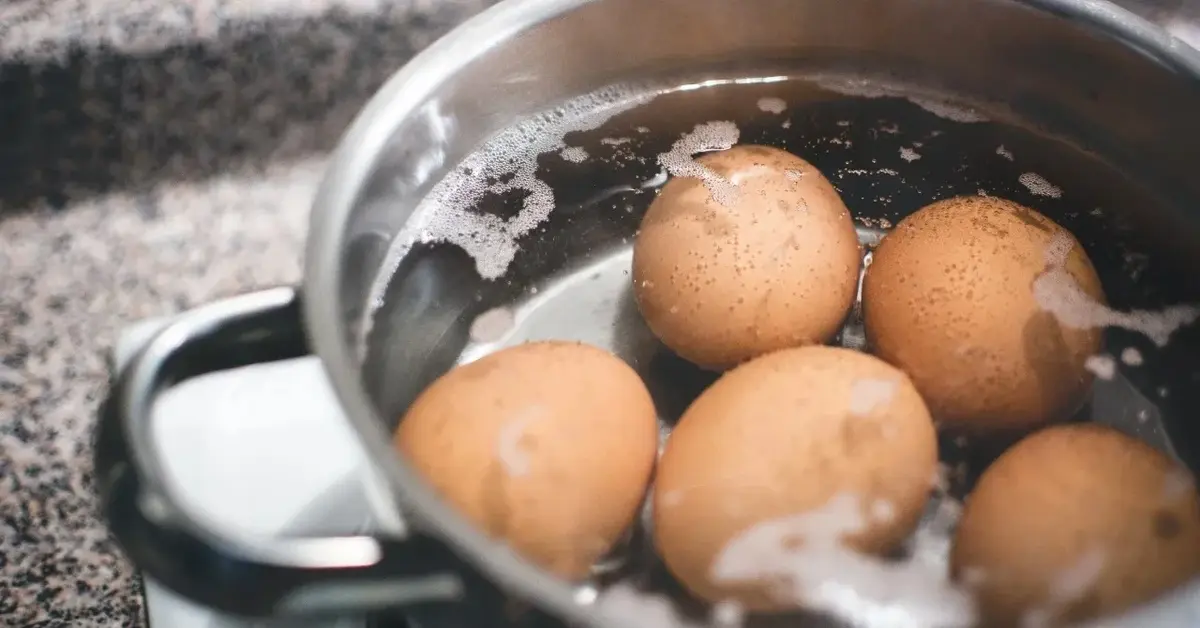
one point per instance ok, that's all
(238, 574)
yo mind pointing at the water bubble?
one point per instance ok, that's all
(492, 325)
(1102, 366)
(710, 136)
(1131, 356)
(772, 105)
(574, 154)
(1039, 186)
(507, 162)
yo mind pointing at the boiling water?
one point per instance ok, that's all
(530, 238)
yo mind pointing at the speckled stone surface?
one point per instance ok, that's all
(137, 181)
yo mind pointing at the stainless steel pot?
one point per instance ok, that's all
(1086, 70)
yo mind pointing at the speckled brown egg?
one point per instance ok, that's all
(783, 436)
(1073, 523)
(949, 298)
(759, 256)
(548, 446)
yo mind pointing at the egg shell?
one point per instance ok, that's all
(775, 267)
(783, 435)
(949, 299)
(1075, 522)
(548, 446)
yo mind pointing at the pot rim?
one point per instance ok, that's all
(350, 166)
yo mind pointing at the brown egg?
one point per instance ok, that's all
(775, 266)
(1075, 522)
(786, 435)
(949, 299)
(548, 446)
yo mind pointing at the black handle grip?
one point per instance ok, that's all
(227, 571)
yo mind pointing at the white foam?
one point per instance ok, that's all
(864, 171)
(492, 325)
(1102, 366)
(508, 448)
(1178, 483)
(947, 110)
(931, 541)
(772, 105)
(1058, 251)
(867, 393)
(1039, 186)
(883, 511)
(624, 605)
(574, 154)
(803, 560)
(1056, 291)
(1004, 152)
(908, 154)
(1131, 356)
(507, 162)
(793, 175)
(937, 104)
(1068, 585)
(706, 137)
(728, 614)
(615, 141)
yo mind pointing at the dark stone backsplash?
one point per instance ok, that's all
(98, 120)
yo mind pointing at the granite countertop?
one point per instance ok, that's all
(154, 155)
